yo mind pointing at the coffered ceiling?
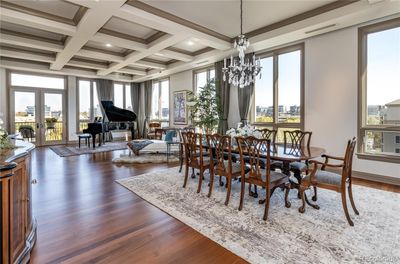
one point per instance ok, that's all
(140, 40)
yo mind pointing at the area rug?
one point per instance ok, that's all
(144, 158)
(66, 151)
(317, 236)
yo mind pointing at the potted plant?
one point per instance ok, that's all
(51, 122)
(204, 108)
(5, 143)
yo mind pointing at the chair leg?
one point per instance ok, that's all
(287, 188)
(228, 192)
(193, 175)
(267, 198)
(314, 198)
(186, 175)
(351, 199)
(181, 157)
(200, 180)
(302, 209)
(211, 183)
(346, 211)
(242, 190)
(221, 183)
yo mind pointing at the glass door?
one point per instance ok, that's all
(38, 115)
(52, 118)
(25, 115)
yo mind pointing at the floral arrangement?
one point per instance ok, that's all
(244, 131)
(4, 140)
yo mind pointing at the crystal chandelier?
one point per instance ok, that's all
(241, 71)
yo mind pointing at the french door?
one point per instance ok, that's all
(39, 115)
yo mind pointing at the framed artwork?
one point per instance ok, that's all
(180, 111)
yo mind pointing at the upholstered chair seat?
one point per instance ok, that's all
(297, 165)
(322, 176)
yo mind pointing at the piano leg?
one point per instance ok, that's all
(94, 140)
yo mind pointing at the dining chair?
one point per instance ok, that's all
(294, 141)
(220, 148)
(182, 145)
(256, 149)
(332, 181)
(194, 156)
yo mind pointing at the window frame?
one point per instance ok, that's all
(78, 120)
(275, 61)
(159, 119)
(206, 69)
(362, 94)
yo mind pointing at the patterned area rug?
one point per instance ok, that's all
(317, 236)
(145, 158)
(66, 151)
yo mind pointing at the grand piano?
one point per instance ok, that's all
(114, 115)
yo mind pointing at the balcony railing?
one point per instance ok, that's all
(53, 131)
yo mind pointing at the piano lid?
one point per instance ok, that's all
(115, 114)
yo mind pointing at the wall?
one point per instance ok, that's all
(331, 96)
(3, 97)
(178, 82)
(72, 107)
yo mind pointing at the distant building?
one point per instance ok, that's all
(30, 110)
(391, 140)
(295, 110)
(281, 109)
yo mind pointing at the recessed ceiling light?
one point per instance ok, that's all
(190, 43)
(108, 45)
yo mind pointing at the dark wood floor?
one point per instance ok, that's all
(85, 217)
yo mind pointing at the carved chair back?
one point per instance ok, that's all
(268, 134)
(194, 148)
(295, 139)
(255, 149)
(220, 147)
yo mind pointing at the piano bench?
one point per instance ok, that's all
(87, 139)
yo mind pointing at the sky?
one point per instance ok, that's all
(288, 80)
(383, 60)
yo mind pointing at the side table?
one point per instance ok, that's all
(169, 152)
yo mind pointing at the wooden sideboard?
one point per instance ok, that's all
(18, 226)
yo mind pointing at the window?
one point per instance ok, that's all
(398, 150)
(201, 77)
(379, 96)
(37, 81)
(122, 96)
(160, 100)
(278, 100)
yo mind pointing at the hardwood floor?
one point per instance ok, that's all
(85, 217)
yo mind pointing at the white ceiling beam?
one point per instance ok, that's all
(28, 20)
(132, 71)
(86, 64)
(119, 42)
(142, 17)
(149, 64)
(30, 43)
(157, 45)
(93, 19)
(175, 55)
(43, 68)
(25, 55)
(99, 55)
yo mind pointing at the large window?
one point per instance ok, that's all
(122, 96)
(379, 93)
(160, 101)
(88, 102)
(278, 100)
(201, 77)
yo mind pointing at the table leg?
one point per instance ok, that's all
(168, 149)
(79, 142)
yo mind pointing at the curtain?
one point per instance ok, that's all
(148, 91)
(245, 96)
(223, 91)
(105, 92)
(135, 100)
